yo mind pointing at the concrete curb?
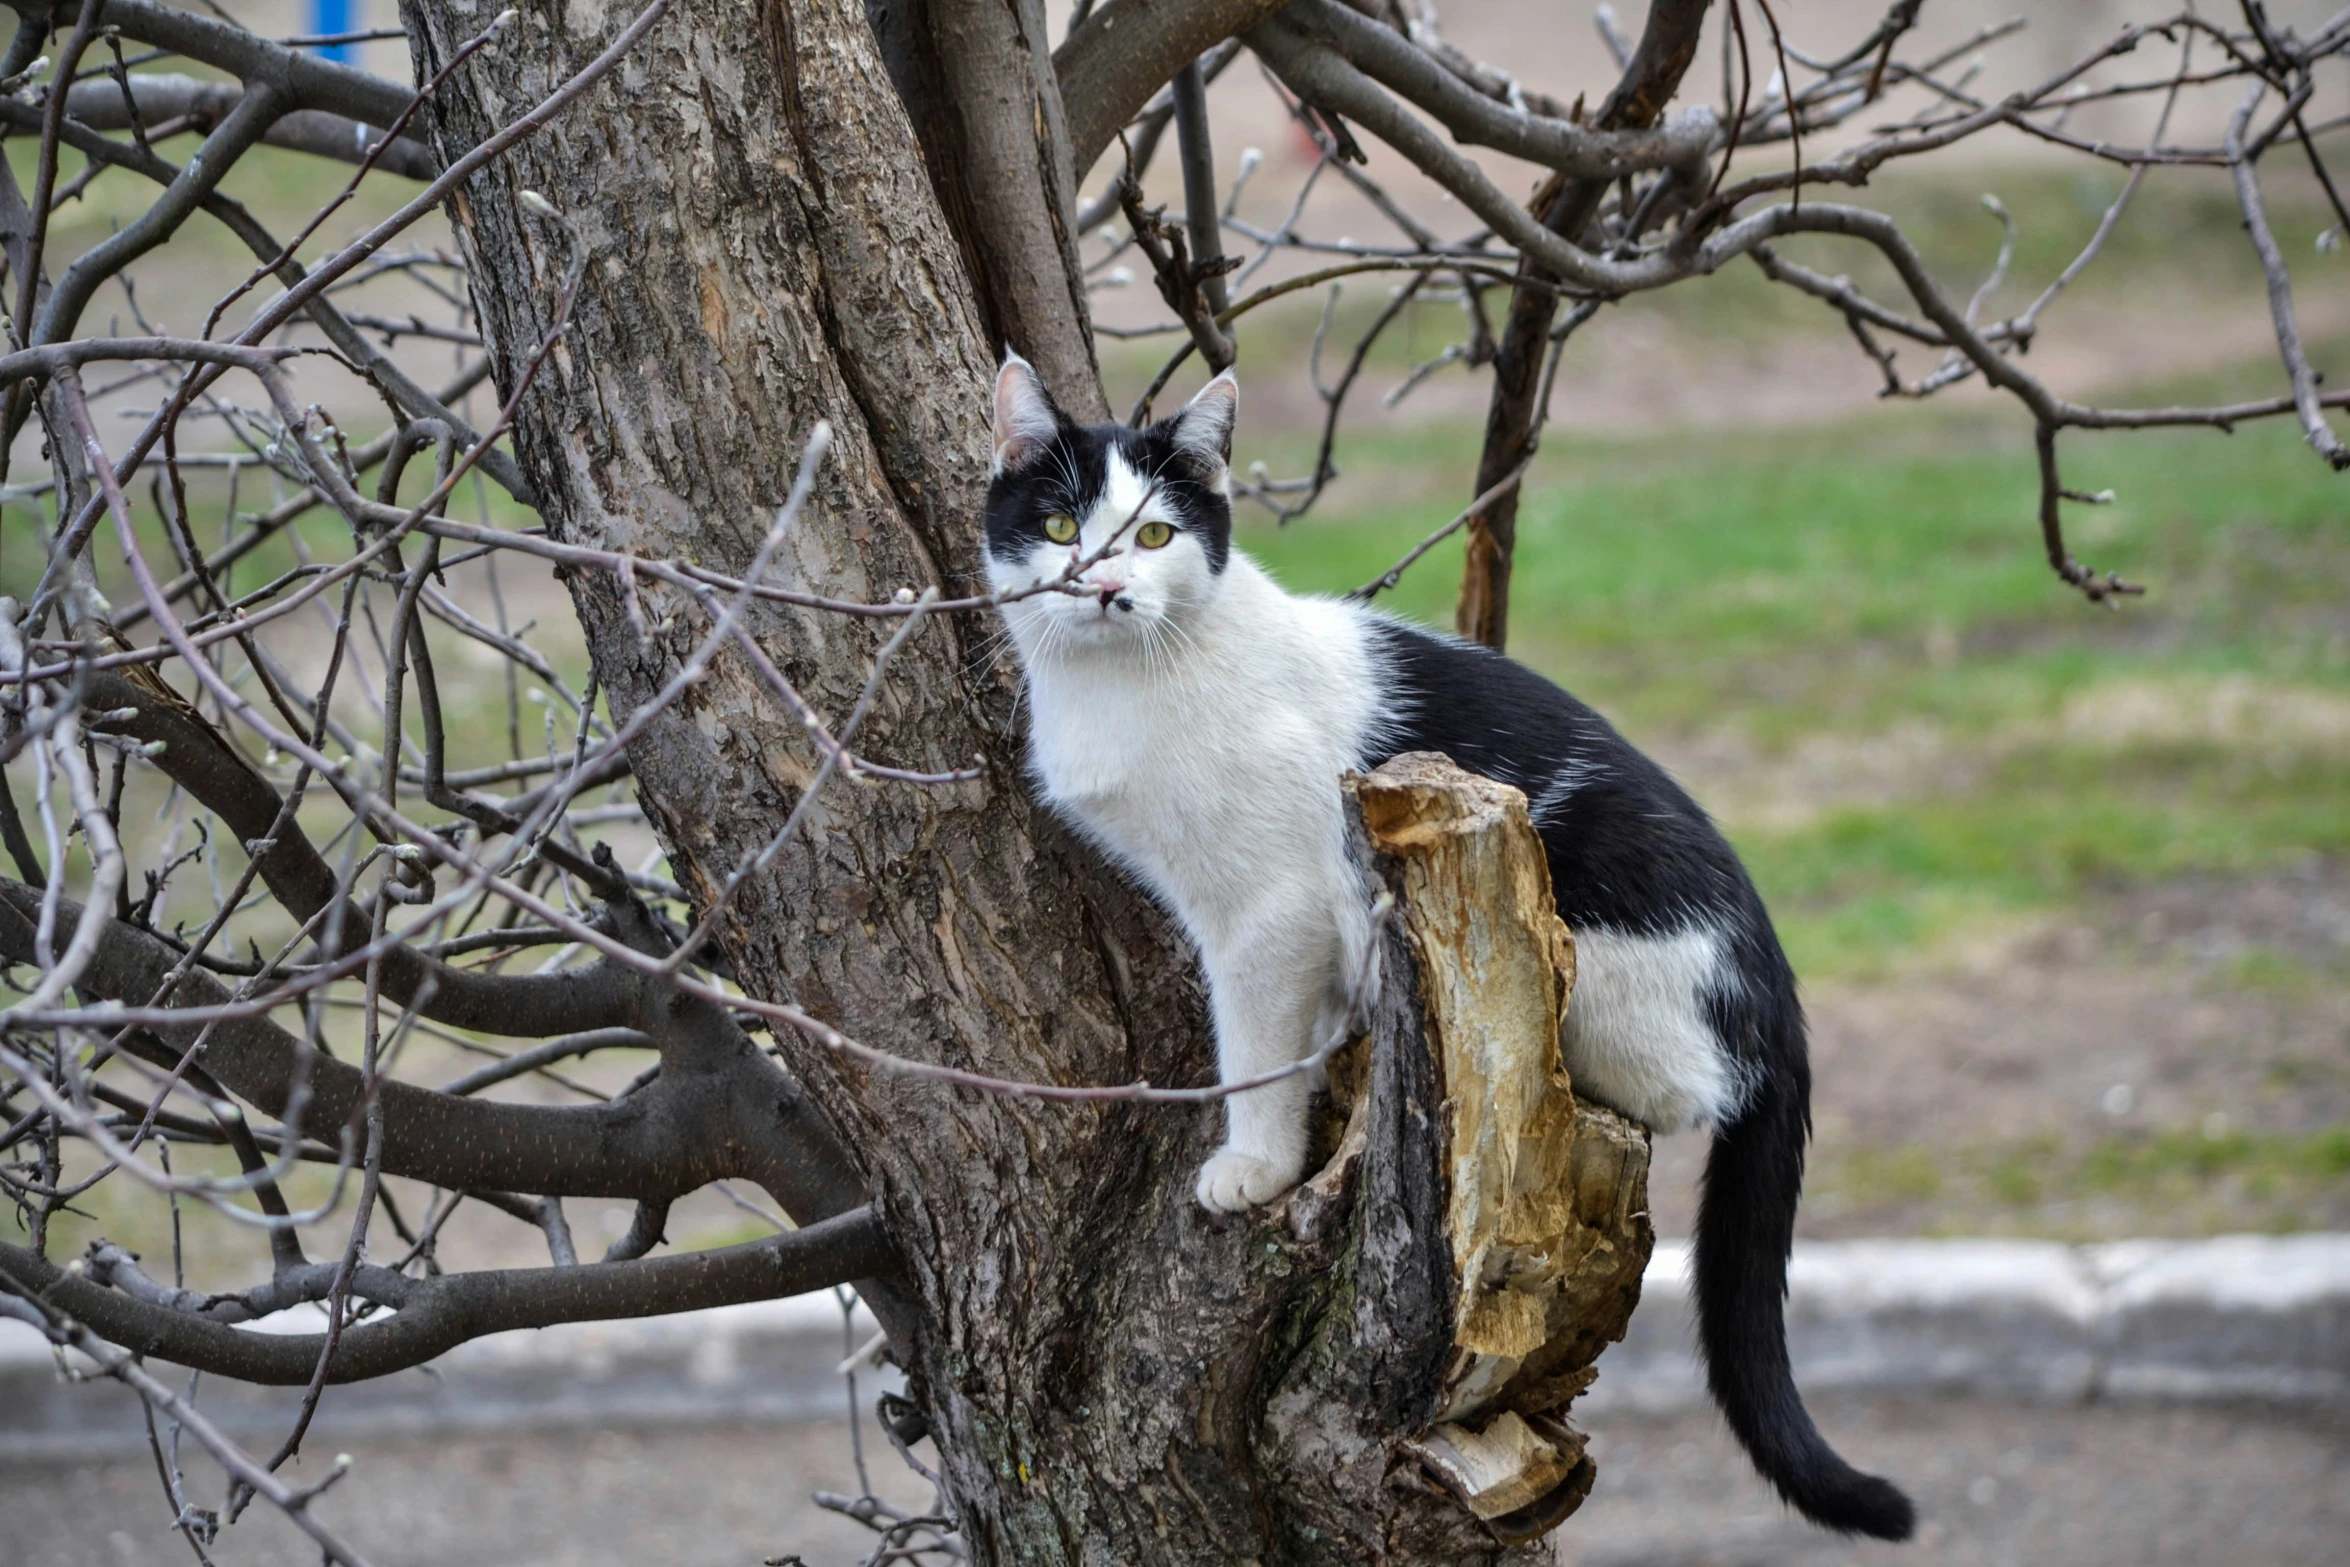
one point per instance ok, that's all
(774, 1363)
(2241, 1317)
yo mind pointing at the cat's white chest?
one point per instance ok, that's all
(1095, 739)
(1153, 773)
(1214, 772)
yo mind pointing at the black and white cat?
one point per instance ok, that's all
(1192, 719)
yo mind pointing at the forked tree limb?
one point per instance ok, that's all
(303, 79)
(1323, 77)
(1007, 974)
(1562, 252)
(2304, 379)
(158, 97)
(1117, 59)
(413, 400)
(260, 107)
(976, 79)
(195, 756)
(1549, 250)
(720, 1109)
(1605, 150)
(268, 524)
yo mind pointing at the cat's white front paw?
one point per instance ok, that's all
(1234, 1182)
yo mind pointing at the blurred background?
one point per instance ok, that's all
(2068, 885)
(2065, 884)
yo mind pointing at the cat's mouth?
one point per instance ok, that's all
(1104, 610)
(1098, 615)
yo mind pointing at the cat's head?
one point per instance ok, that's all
(1133, 524)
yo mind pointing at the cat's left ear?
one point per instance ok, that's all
(1204, 429)
(1026, 420)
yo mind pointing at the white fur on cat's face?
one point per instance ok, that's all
(1126, 595)
(1143, 512)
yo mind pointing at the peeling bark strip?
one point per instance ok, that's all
(1110, 1374)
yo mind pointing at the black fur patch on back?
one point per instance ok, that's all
(1628, 847)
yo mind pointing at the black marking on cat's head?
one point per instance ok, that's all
(1048, 465)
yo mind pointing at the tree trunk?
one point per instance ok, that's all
(1111, 1374)
(1668, 41)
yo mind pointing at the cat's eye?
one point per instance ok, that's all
(1060, 529)
(1153, 535)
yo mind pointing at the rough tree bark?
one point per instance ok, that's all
(977, 80)
(1111, 1375)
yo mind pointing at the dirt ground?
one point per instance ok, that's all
(1933, 1090)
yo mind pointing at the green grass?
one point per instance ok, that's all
(2285, 975)
(282, 190)
(2169, 1181)
(1857, 585)
(1905, 1174)
(2162, 1162)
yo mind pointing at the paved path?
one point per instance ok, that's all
(2035, 1486)
(2000, 1485)
(712, 1496)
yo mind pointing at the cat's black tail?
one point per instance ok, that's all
(1745, 1226)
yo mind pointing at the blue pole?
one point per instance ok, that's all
(329, 17)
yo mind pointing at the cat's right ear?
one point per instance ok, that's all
(1025, 419)
(1204, 427)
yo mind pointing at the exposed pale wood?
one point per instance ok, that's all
(1503, 1469)
(1545, 1196)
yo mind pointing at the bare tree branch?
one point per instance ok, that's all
(1600, 152)
(1668, 42)
(302, 79)
(2321, 435)
(193, 754)
(721, 1108)
(354, 857)
(977, 80)
(1115, 60)
(437, 1315)
(155, 98)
